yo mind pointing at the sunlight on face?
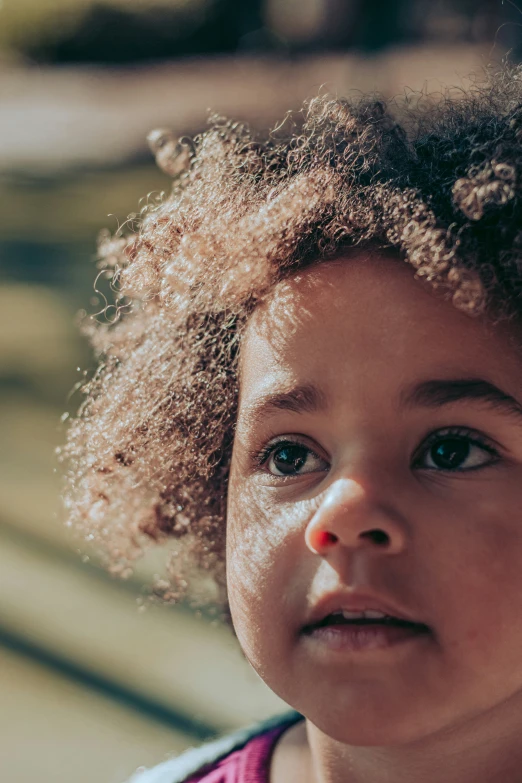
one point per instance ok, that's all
(378, 456)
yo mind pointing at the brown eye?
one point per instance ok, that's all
(450, 454)
(455, 452)
(292, 459)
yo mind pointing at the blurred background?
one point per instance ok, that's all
(93, 681)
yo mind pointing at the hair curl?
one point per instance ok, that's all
(150, 449)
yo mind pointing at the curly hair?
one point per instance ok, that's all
(436, 181)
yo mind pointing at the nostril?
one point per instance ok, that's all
(379, 537)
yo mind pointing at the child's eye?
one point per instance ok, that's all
(289, 458)
(455, 450)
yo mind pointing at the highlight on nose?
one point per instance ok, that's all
(346, 517)
(318, 540)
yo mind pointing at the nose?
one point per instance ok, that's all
(348, 517)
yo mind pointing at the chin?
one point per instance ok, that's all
(369, 733)
(379, 725)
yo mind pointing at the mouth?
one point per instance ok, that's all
(359, 630)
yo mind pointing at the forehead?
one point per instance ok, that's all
(364, 319)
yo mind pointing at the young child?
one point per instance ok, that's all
(317, 349)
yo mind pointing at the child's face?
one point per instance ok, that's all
(403, 492)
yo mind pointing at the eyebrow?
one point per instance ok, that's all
(305, 398)
(437, 393)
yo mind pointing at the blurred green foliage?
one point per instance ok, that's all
(126, 31)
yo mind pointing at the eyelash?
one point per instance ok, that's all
(473, 437)
(260, 457)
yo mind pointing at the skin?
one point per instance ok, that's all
(449, 547)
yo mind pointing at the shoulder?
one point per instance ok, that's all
(215, 760)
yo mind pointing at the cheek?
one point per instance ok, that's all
(253, 541)
(265, 555)
(483, 583)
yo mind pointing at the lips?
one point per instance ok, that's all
(363, 627)
(358, 610)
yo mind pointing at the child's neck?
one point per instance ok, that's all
(485, 749)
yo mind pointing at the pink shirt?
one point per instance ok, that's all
(251, 764)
